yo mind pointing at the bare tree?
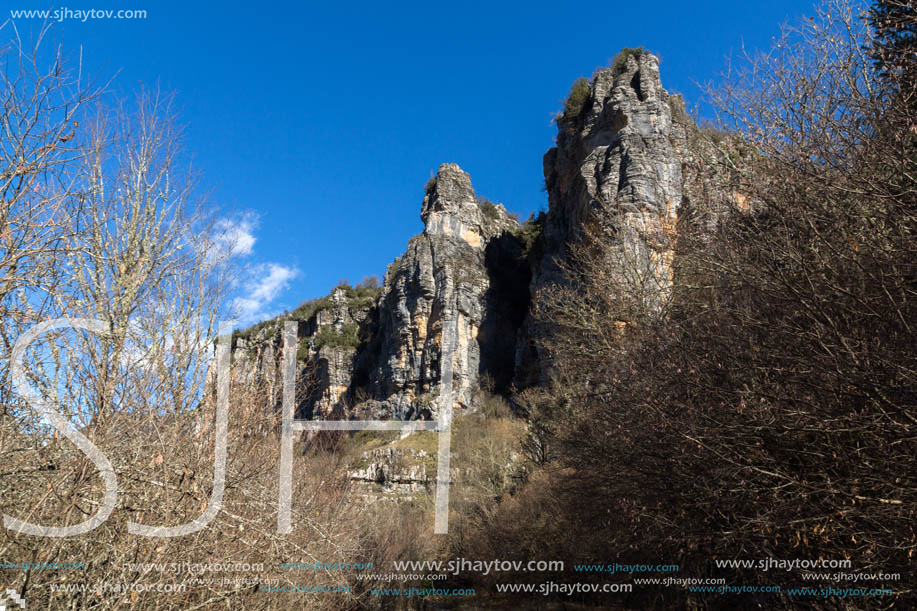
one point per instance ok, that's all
(103, 219)
(40, 148)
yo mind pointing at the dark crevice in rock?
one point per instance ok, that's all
(509, 298)
(635, 85)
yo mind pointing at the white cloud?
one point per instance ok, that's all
(268, 280)
(257, 284)
(235, 237)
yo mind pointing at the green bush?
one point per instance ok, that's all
(576, 100)
(302, 351)
(488, 208)
(254, 330)
(329, 336)
(619, 63)
(362, 295)
(307, 309)
(530, 232)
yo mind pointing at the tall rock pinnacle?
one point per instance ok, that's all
(615, 171)
(458, 261)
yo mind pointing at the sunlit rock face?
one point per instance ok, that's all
(617, 172)
(324, 371)
(618, 165)
(386, 356)
(459, 262)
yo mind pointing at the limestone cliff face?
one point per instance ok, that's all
(396, 470)
(329, 337)
(464, 259)
(327, 354)
(617, 164)
(628, 167)
(378, 357)
(616, 171)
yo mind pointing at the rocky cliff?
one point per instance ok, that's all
(617, 165)
(468, 257)
(330, 333)
(377, 354)
(624, 174)
(627, 167)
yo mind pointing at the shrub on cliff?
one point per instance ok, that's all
(363, 294)
(529, 234)
(308, 308)
(488, 208)
(329, 336)
(576, 100)
(619, 63)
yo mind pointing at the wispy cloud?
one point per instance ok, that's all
(268, 280)
(257, 284)
(235, 237)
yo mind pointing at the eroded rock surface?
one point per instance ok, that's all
(381, 357)
(615, 174)
(467, 257)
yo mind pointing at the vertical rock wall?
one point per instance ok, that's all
(615, 173)
(461, 257)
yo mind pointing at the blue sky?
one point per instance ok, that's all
(319, 123)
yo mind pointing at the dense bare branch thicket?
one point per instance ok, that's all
(769, 412)
(40, 151)
(895, 50)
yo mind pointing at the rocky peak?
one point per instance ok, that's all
(619, 160)
(450, 194)
(450, 208)
(378, 353)
(466, 259)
